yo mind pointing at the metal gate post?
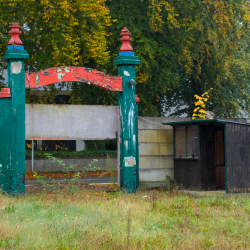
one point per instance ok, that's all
(126, 62)
(137, 100)
(13, 118)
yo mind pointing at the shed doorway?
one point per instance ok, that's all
(212, 157)
(220, 160)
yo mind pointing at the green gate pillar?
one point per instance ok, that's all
(126, 62)
(137, 100)
(12, 122)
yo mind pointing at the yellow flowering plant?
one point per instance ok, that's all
(200, 110)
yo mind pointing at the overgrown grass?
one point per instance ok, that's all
(72, 154)
(95, 219)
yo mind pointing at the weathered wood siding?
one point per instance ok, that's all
(238, 157)
(155, 150)
(71, 122)
(187, 173)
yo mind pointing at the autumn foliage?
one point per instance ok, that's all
(185, 48)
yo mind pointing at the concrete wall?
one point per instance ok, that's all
(156, 150)
(45, 165)
(71, 122)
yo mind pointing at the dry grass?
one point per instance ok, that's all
(95, 219)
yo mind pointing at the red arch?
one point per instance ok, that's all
(73, 74)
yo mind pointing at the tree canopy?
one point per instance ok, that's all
(185, 47)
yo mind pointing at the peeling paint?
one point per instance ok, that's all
(126, 73)
(59, 70)
(88, 70)
(59, 76)
(129, 161)
(66, 70)
(37, 79)
(16, 67)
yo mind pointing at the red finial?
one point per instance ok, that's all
(125, 41)
(137, 98)
(15, 32)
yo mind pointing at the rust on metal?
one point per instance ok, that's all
(15, 32)
(5, 92)
(73, 74)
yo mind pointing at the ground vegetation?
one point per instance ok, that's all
(101, 217)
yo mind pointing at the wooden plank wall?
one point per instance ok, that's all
(238, 157)
(156, 150)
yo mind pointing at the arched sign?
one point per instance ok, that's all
(73, 74)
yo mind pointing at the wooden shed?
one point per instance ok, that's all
(212, 155)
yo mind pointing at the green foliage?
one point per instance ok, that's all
(111, 168)
(59, 33)
(155, 72)
(10, 209)
(72, 154)
(185, 48)
(209, 45)
(52, 185)
(48, 182)
(7, 243)
(92, 145)
(91, 167)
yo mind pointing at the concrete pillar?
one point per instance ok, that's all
(12, 123)
(126, 62)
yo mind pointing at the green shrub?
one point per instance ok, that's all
(72, 154)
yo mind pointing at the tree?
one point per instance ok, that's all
(157, 70)
(211, 49)
(187, 48)
(58, 33)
